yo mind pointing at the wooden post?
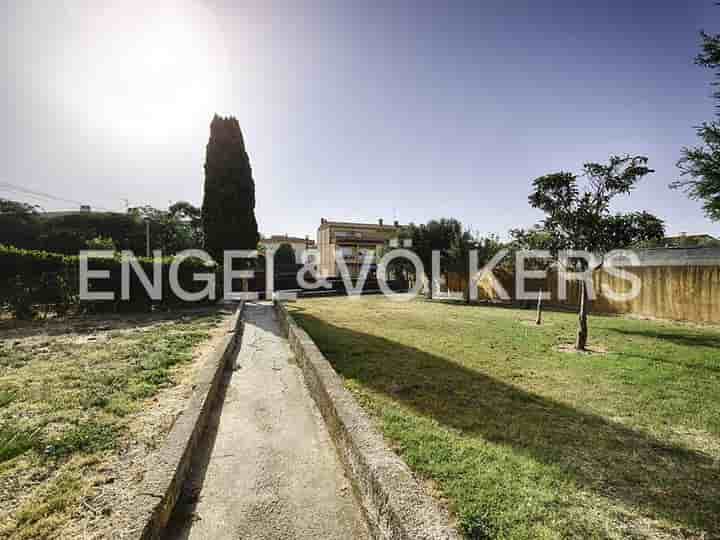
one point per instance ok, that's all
(582, 335)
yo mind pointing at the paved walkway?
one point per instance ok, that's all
(268, 470)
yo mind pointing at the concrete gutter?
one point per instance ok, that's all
(168, 469)
(395, 505)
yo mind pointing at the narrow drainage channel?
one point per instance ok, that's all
(266, 467)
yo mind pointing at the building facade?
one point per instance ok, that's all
(354, 241)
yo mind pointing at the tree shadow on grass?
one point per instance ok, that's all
(682, 337)
(656, 478)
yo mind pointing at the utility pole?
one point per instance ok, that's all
(147, 238)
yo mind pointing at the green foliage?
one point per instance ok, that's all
(38, 280)
(453, 242)
(580, 218)
(19, 224)
(101, 243)
(70, 233)
(228, 210)
(171, 230)
(285, 255)
(15, 441)
(86, 437)
(700, 165)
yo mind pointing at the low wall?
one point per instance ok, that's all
(394, 504)
(169, 467)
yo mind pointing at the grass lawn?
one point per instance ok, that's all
(69, 399)
(525, 441)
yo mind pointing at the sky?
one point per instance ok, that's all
(352, 110)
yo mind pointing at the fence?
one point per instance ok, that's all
(678, 292)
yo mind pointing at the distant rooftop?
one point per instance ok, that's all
(327, 223)
(286, 238)
(677, 256)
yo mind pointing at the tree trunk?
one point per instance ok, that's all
(538, 319)
(582, 334)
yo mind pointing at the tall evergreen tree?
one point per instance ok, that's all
(228, 210)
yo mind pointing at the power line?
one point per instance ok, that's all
(43, 195)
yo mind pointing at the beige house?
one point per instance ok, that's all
(354, 241)
(299, 245)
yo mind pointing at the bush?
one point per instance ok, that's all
(33, 281)
(101, 242)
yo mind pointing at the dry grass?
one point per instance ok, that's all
(82, 403)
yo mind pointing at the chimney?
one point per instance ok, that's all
(380, 222)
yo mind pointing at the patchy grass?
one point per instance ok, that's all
(66, 401)
(525, 441)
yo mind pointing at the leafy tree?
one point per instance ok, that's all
(700, 165)
(440, 235)
(285, 255)
(19, 224)
(189, 217)
(454, 244)
(580, 219)
(71, 232)
(172, 230)
(228, 210)
(462, 244)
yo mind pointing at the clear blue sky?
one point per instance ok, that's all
(353, 110)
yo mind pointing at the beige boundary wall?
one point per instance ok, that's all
(686, 293)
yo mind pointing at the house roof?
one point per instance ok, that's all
(324, 223)
(670, 256)
(289, 239)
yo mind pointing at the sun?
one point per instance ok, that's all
(149, 72)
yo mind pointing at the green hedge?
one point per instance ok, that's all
(32, 281)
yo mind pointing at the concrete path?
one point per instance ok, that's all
(268, 469)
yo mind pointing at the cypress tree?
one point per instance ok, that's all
(228, 210)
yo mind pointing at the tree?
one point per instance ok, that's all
(189, 218)
(438, 235)
(701, 164)
(458, 255)
(285, 255)
(580, 219)
(228, 209)
(454, 244)
(173, 230)
(19, 224)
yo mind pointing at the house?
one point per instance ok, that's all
(299, 245)
(684, 240)
(354, 241)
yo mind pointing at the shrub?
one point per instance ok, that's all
(101, 242)
(33, 281)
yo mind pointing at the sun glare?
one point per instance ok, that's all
(162, 68)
